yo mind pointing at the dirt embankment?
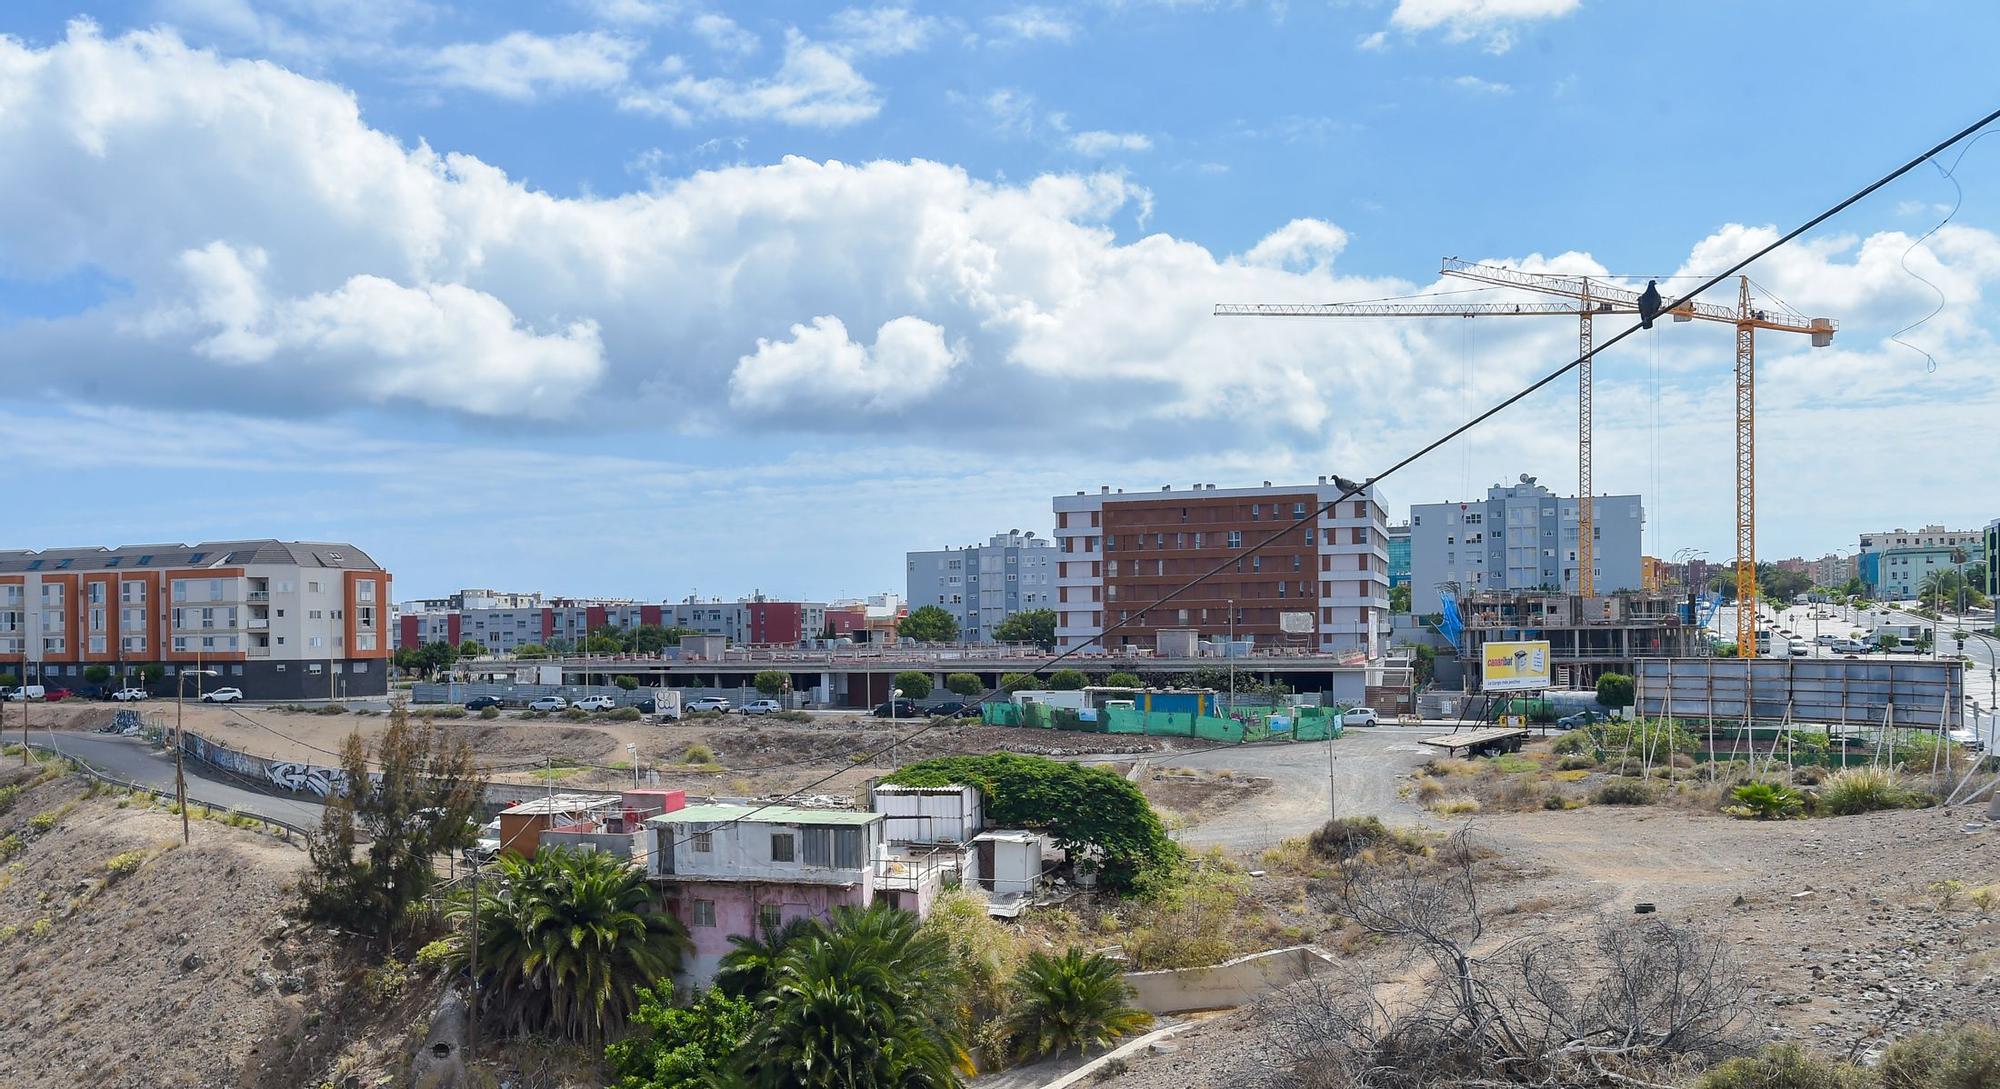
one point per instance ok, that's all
(135, 961)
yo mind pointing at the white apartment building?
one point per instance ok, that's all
(277, 619)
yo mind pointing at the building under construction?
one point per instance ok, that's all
(1588, 636)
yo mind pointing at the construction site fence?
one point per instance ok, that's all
(1243, 724)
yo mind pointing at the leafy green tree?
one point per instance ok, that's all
(681, 1047)
(153, 673)
(97, 674)
(929, 624)
(531, 650)
(867, 1001)
(747, 969)
(772, 682)
(614, 633)
(1123, 680)
(1088, 810)
(416, 803)
(1399, 599)
(1037, 626)
(1614, 690)
(1889, 642)
(984, 954)
(1778, 584)
(1068, 680)
(9, 680)
(603, 644)
(915, 683)
(626, 682)
(1070, 1002)
(964, 684)
(1423, 663)
(471, 648)
(566, 938)
(651, 639)
(1014, 682)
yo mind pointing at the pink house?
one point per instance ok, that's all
(725, 869)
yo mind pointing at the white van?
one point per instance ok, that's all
(28, 692)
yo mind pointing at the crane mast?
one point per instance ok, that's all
(1585, 299)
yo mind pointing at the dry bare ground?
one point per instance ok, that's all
(1848, 928)
(134, 961)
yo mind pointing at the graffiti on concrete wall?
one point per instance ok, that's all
(292, 775)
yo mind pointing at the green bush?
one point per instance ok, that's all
(1574, 742)
(330, 709)
(385, 983)
(1861, 790)
(626, 683)
(698, 754)
(1623, 794)
(1575, 763)
(124, 864)
(1966, 1057)
(1766, 801)
(11, 846)
(45, 820)
(964, 684)
(1067, 680)
(1083, 807)
(1785, 1067)
(625, 714)
(1123, 680)
(489, 713)
(437, 954)
(915, 683)
(575, 714)
(1014, 682)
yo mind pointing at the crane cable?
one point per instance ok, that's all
(1350, 489)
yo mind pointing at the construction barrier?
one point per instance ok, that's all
(1246, 724)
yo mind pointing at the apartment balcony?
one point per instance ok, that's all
(257, 623)
(257, 652)
(257, 595)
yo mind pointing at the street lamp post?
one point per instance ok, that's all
(180, 742)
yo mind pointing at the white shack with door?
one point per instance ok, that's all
(950, 814)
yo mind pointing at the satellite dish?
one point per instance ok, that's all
(1525, 478)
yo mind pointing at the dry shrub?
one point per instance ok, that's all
(1573, 775)
(1447, 766)
(1455, 806)
(1624, 794)
(1965, 1057)
(1521, 795)
(1429, 790)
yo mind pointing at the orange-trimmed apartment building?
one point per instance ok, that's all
(281, 620)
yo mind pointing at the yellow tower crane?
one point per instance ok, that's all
(1586, 299)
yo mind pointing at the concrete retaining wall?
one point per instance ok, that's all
(1227, 985)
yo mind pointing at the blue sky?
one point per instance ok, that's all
(646, 298)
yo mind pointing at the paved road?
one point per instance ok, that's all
(133, 760)
(1369, 764)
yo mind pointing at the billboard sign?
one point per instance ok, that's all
(1295, 623)
(1515, 666)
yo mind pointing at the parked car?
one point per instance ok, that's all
(709, 703)
(651, 706)
(763, 707)
(1827, 640)
(222, 695)
(481, 703)
(899, 709)
(127, 695)
(1968, 739)
(1582, 718)
(1360, 716)
(548, 703)
(55, 694)
(595, 703)
(950, 709)
(1799, 650)
(27, 693)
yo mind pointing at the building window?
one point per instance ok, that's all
(703, 913)
(770, 917)
(783, 846)
(1236, 538)
(702, 842)
(818, 846)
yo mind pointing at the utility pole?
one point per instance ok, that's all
(1229, 651)
(472, 1021)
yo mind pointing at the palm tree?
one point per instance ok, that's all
(746, 970)
(567, 937)
(863, 1002)
(1070, 1002)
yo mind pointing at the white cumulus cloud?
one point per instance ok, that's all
(815, 86)
(521, 66)
(882, 31)
(820, 369)
(723, 34)
(1030, 24)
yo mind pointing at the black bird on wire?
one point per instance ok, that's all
(1649, 306)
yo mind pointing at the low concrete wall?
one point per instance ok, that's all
(1227, 985)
